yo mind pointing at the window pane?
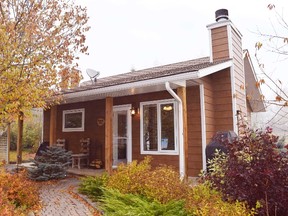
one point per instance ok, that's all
(150, 127)
(73, 120)
(167, 127)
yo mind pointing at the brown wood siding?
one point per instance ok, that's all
(239, 76)
(223, 100)
(46, 125)
(93, 111)
(220, 47)
(194, 131)
(171, 160)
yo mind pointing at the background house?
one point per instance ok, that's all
(178, 107)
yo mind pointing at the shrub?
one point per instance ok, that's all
(253, 170)
(118, 204)
(52, 164)
(93, 186)
(162, 184)
(17, 193)
(130, 178)
(202, 200)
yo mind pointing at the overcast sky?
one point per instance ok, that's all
(139, 34)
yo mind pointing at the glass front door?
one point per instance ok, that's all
(121, 135)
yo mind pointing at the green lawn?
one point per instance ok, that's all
(26, 156)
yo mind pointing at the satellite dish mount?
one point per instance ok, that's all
(93, 74)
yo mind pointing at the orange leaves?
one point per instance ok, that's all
(278, 98)
(36, 43)
(260, 82)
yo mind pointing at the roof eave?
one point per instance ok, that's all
(131, 86)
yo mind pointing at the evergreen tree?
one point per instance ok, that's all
(51, 164)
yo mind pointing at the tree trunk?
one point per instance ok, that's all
(8, 141)
(20, 137)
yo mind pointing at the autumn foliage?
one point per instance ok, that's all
(18, 195)
(39, 44)
(254, 170)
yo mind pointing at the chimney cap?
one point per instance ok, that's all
(221, 14)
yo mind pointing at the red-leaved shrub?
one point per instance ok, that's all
(253, 170)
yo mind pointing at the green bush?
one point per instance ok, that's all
(93, 186)
(204, 201)
(137, 189)
(32, 132)
(119, 204)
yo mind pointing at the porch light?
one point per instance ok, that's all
(133, 111)
(167, 108)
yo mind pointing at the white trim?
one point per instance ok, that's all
(210, 44)
(230, 45)
(150, 82)
(180, 131)
(213, 69)
(127, 108)
(232, 74)
(159, 151)
(234, 100)
(203, 125)
(65, 112)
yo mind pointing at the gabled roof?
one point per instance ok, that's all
(146, 80)
(254, 94)
(150, 73)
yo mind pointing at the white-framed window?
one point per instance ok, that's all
(159, 126)
(73, 120)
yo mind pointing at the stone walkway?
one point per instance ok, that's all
(60, 198)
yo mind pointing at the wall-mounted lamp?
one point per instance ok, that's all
(134, 111)
(167, 108)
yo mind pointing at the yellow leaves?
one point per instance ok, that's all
(34, 48)
(258, 45)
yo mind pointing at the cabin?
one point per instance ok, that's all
(168, 112)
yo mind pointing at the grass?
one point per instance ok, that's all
(26, 155)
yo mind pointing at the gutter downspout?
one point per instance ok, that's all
(180, 131)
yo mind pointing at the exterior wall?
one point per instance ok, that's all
(93, 111)
(46, 125)
(171, 160)
(239, 75)
(194, 131)
(3, 147)
(220, 45)
(227, 43)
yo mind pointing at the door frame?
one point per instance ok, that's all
(127, 108)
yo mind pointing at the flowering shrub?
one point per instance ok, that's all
(253, 170)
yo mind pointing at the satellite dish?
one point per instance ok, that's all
(93, 74)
